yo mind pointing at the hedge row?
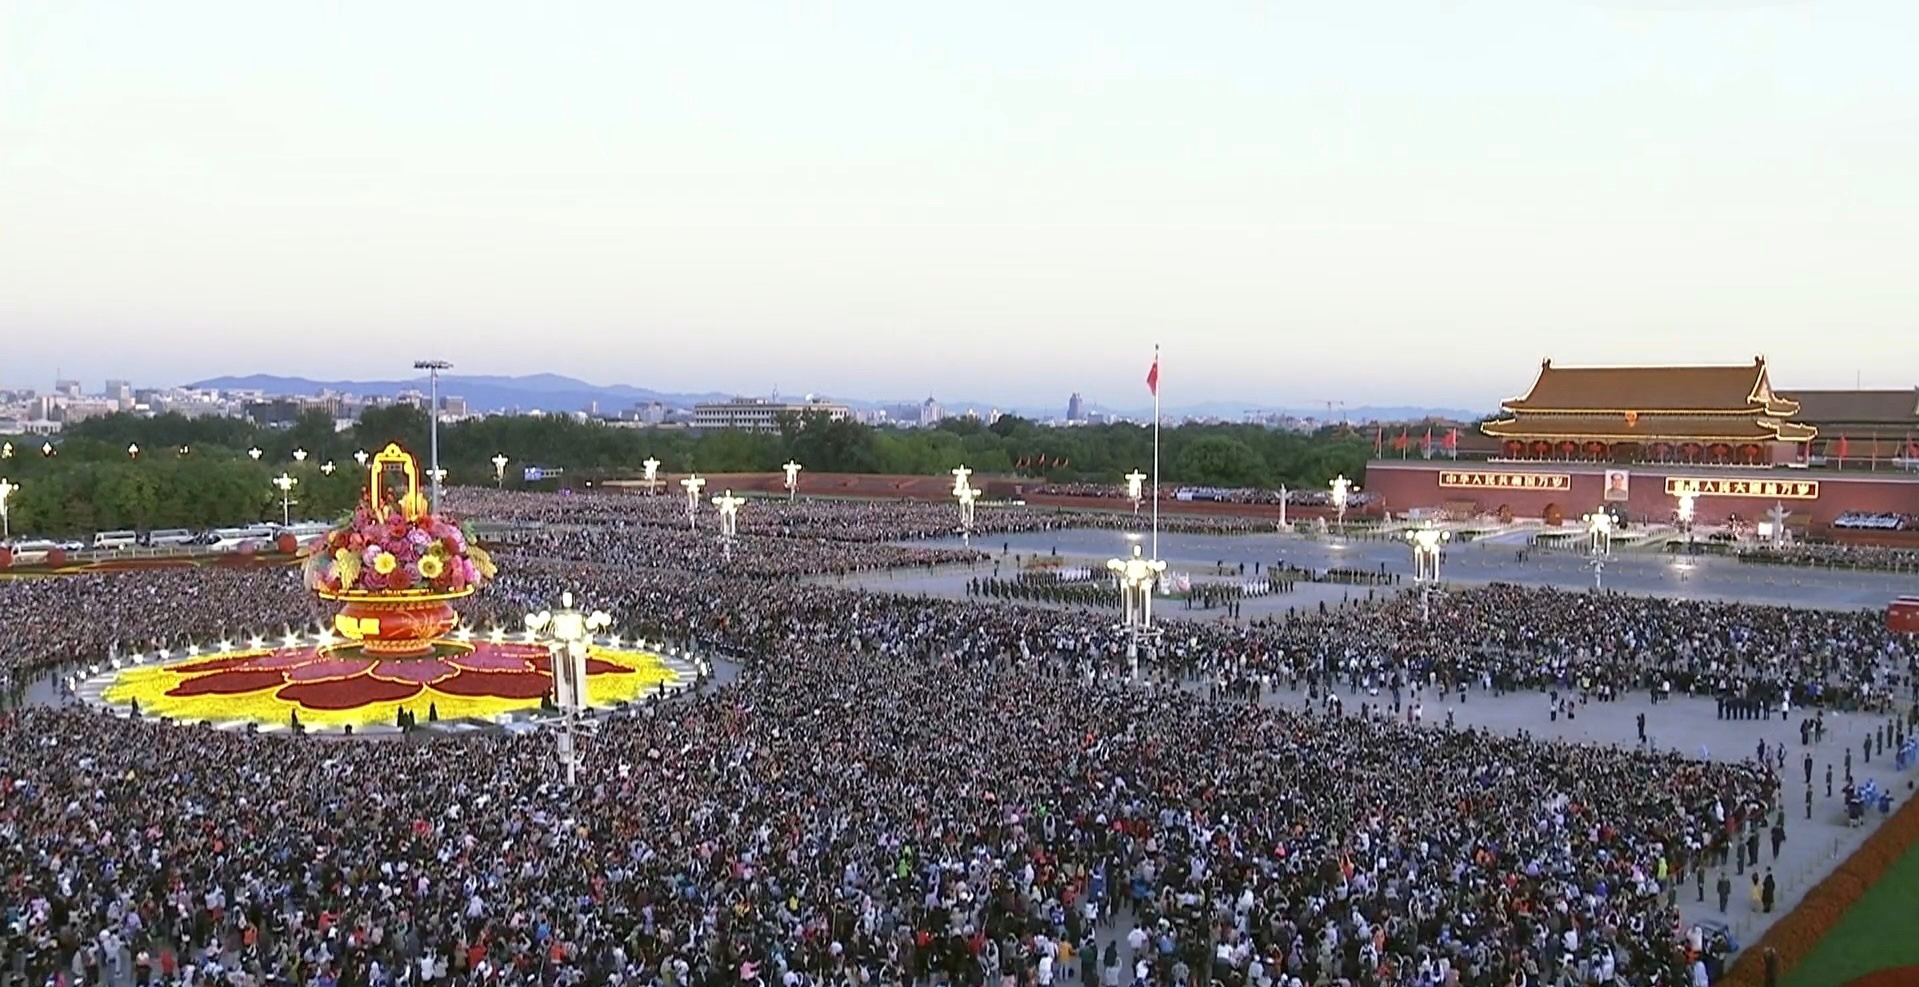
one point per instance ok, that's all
(1800, 931)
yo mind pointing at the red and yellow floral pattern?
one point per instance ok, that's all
(336, 687)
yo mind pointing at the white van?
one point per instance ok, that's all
(228, 539)
(169, 536)
(304, 530)
(116, 539)
(30, 552)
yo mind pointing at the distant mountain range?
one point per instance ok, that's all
(557, 393)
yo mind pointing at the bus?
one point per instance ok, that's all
(1902, 614)
(107, 540)
(169, 536)
(229, 539)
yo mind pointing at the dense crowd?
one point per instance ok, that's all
(1315, 497)
(896, 789)
(833, 520)
(1835, 556)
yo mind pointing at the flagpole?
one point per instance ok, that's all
(1156, 452)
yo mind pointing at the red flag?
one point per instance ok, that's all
(1152, 376)
(1399, 444)
(1451, 441)
(1844, 447)
(1912, 448)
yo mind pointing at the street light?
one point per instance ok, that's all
(1598, 543)
(792, 480)
(6, 450)
(7, 487)
(286, 485)
(1137, 577)
(184, 450)
(693, 484)
(1283, 493)
(1686, 502)
(327, 467)
(133, 450)
(499, 469)
(1428, 549)
(729, 506)
(47, 449)
(652, 467)
(1777, 515)
(967, 496)
(567, 634)
(358, 457)
(255, 453)
(1135, 489)
(433, 368)
(1342, 489)
(299, 455)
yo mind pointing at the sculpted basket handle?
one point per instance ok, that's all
(394, 459)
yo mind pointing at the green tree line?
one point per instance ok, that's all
(199, 472)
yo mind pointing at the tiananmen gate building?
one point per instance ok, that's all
(1636, 438)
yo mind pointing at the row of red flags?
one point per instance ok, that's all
(1448, 442)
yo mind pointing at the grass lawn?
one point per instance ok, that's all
(1876, 933)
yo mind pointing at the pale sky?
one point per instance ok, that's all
(1373, 202)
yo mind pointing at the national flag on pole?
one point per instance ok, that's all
(1426, 447)
(1844, 447)
(1451, 443)
(1912, 448)
(1379, 439)
(1399, 444)
(1152, 376)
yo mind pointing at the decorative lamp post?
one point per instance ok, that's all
(499, 469)
(1685, 513)
(286, 484)
(1283, 492)
(133, 450)
(729, 506)
(7, 487)
(568, 633)
(299, 455)
(255, 454)
(964, 491)
(327, 467)
(1598, 543)
(1778, 515)
(433, 368)
(652, 467)
(1137, 577)
(692, 484)
(186, 450)
(358, 457)
(967, 496)
(6, 450)
(1136, 489)
(47, 450)
(792, 480)
(1342, 490)
(1428, 549)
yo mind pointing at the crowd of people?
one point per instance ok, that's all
(896, 789)
(832, 520)
(1827, 555)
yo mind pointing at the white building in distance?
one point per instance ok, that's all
(760, 415)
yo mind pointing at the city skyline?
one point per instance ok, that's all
(1301, 206)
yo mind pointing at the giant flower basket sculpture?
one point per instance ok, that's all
(394, 567)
